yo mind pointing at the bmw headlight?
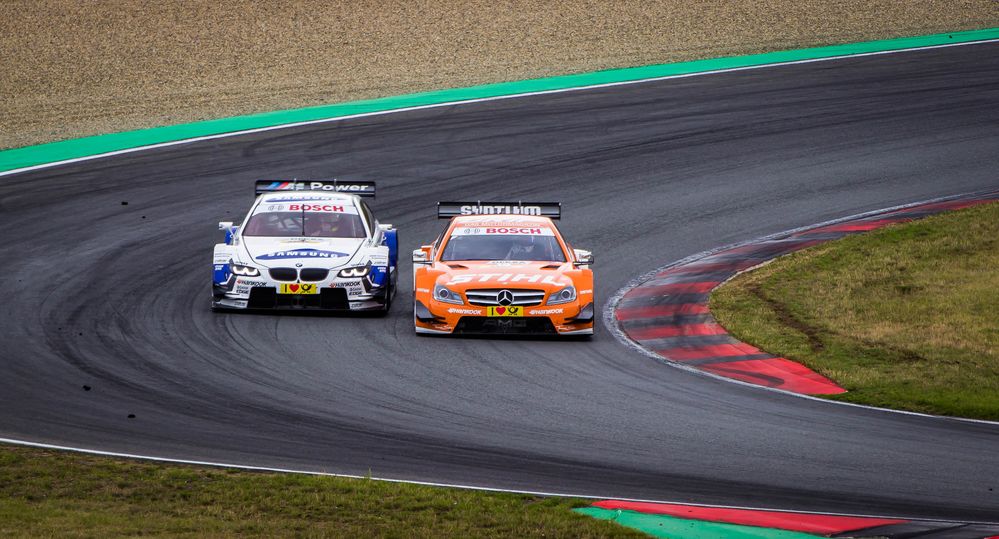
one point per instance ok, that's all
(565, 295)
(244, 271)
(357, 271)
(445, 294)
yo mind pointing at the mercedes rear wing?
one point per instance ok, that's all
(447, 210)
(364, 189)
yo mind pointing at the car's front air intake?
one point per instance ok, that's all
(314, 274)
(505, 296)
(284, 274)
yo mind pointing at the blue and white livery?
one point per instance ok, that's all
(307, 245)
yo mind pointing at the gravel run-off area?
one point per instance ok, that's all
(73, 68)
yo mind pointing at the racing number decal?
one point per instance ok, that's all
(299, 288)
(505, 311)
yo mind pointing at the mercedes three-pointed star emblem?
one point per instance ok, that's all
(505, 297)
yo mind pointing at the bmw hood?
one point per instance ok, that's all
(312, 252)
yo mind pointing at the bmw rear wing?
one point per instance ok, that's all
(447, 210)
(364, 189)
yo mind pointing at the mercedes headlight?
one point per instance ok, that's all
(445, 294)
(565, 295)
(243, 271)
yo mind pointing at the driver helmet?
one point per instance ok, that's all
(326, 225)
(520, 247)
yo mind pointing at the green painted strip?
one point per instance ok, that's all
(83, 147)
(679, 528)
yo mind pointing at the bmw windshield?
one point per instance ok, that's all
(305, 220)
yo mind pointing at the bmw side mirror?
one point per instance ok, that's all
(583, 258)
(230, 231)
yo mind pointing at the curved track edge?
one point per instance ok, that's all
(664, 313)
(28, 158)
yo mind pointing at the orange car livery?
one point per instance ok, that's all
(502, 267)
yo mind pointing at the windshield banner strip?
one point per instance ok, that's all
(364, 189)
(507, 230)
(446, 210)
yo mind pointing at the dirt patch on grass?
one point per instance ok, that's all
(787, 318)
(72, 67)
(903, 317)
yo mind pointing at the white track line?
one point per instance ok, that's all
(481, 100)
(447, 485)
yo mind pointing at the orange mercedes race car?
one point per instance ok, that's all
(502, 267)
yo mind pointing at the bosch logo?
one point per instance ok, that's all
(505, 297)
(513, 231)
(315, 207)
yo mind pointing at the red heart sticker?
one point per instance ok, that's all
(501, 310)
(293, 287)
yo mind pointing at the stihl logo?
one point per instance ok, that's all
(503, 278)
(513, 231)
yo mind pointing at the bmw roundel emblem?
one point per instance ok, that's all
(298, 265)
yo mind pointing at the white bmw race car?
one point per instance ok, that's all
(307, 245)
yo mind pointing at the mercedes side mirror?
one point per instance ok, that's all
(421, 256)
(225, 225)
(583, 258)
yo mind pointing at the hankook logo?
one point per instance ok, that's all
(505, 297)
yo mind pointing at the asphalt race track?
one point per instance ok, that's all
(116, 296)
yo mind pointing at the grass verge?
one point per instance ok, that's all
(904, 317)
(50, 493)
